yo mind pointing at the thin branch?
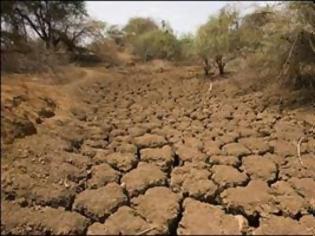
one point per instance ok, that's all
(40, 17)
(311, 44)
(146, 230)
(210, 87)
(298, 146)
(289, 57)
(34, 27)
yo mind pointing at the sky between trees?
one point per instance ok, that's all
(183, 16)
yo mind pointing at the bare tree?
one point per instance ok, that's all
(50, 20)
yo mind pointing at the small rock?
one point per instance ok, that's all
(143, 177)
(98, 204)
(225, 160)
(278, 225)
(150, 141)
(256, 145)
(158, 205)
(228, 176)
(190, 154)
(235, 149)
(125, 221)
(253, 198)
(260, 168)
(101, 175)
(194, 180)
(204, 219)
(162, 157)
(121, 161)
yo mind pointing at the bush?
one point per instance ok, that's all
(156, 45)
(139, 25)
(285, 37)
(218, 39)
(106, 51)
(187, 48)
(37, 58)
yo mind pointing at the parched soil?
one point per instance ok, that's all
(150, 150)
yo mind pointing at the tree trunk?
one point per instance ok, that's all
(47, 43)
(220, 64)
(206, 66)
(221, 69)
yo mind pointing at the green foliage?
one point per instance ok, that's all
(218, 37)
(50, 20)
(55, 24)
(138, 25)
(187, 47)
(282, 39)
(250, 32)
(279, 40)
(156, 44)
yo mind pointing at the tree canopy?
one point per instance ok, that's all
(218, 36)
(139, 25)
(51, 21)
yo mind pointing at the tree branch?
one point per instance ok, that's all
(31, 23)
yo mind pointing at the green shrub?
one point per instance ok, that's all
(218, 38)
(156, 44)
(282, 40)
(37, 58)
(187, 48)
(139, 25)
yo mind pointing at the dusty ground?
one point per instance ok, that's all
(144, 150)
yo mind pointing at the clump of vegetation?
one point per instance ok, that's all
(156, 44)
(149, 41)
(51, 21)
(138, 25)
(278, 41)
(187, 48)
(218, 39)
(105, 51)
(40, 34)
(293, 41)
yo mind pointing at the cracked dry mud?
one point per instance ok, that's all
(154, 153)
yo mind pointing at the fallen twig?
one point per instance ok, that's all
(66, 184)
(210, 88)
(298, 146)
(146, 230)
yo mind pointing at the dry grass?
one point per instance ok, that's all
(36, 59)
(107, 52)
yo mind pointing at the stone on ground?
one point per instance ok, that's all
(98, 204)
(260, 168)
(228, 176)
(125, 221)
(194, 180)
(162, 157)
(101, 175)
(278, 225)
(143, 177)
(235, 149)
(18, 220)
(160, 206)
(204, 219)
(150, 141)
(254, 198)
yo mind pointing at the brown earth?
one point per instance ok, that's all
(144, 150)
